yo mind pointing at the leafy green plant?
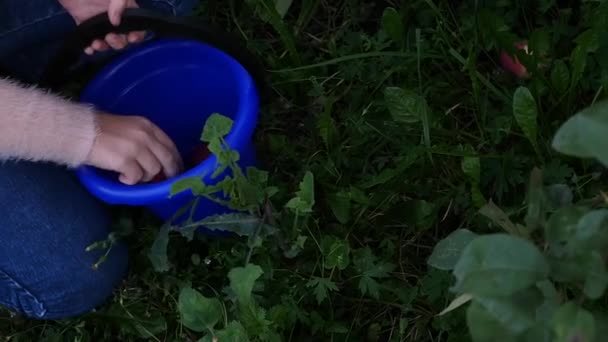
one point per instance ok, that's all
(540, 280)
(248, 194)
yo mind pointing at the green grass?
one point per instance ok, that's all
(405, 118)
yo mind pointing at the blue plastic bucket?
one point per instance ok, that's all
(188, 71)
(177, 84)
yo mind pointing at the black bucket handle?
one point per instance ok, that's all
(60, 68)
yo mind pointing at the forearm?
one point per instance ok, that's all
(38, 126)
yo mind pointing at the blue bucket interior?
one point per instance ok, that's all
(177, 84)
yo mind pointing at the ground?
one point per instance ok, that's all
(401, 118)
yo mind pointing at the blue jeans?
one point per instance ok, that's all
(47, 219)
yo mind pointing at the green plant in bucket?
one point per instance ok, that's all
(246, 190)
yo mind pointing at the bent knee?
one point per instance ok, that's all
(65, 291)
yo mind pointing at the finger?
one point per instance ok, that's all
(115, 10)
(116, 41)
(169, 145)
(89, 50)
(100, 45)
(131, 173)
(136, 37)
(170, 164)
(150, 164)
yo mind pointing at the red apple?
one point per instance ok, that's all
(199, 154)
(512, 64)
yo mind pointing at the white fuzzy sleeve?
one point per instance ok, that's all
(36, 125)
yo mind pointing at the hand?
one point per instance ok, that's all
(135, 148)
(82, 10)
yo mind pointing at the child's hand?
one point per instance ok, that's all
(81, 10)
(135, 148)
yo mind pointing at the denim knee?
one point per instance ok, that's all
(47, 220)
(79, 292)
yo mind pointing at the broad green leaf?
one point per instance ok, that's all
(525, 112)
(540, 42)
(158, 252)
(257, 176)
(601, 326)
(560, 76)
(559, 195)
(578, 63)
(419, 213)
(215, 146)
(556, 172)
(326, 125)
(284, 315)
(198, 312)
(250, 195)
(588, 40)
(367, 265)
(515, 313)
(471, 166)
(226, 157)
(374, 331)
(535, 217)
(499, 265)
(233, 332)
(499, 217)
(338, 256)
(237, 223)
(253, 318)
(596, 279)
(591, 230)
(447, 252)
(456, 303)
(368, 285)
(584, 134)
(216, 127)
(547, 288)
(567, 268)
(550, 304)
(195, 184)
(295, 247)
(573, 323)
(282, 6)
(305, 197)
(574, 237)
(539, 332)
(242, 280)
(150, 325)
(561, 227)
(484, 328)
(358, 196)
(393, 25)
(321, 287)
(340, 205)
(476, 196)
(404, 105)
